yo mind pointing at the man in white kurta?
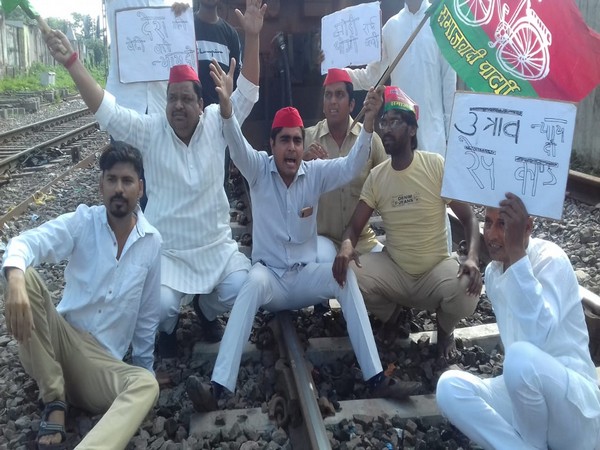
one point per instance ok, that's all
(184, 160)
(422, 73)
(548, 395)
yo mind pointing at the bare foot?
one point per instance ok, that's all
(445, 343)
(57, 417)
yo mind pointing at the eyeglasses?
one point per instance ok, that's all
(393, 123)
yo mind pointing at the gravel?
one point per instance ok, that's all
(167, 426)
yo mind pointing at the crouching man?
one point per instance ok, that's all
(285, 193)
(111, 300)
(548, 396)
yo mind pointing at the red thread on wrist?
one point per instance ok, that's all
(71, 60)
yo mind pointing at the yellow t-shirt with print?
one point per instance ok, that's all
(412, 209)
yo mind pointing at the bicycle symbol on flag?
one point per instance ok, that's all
(522, 41)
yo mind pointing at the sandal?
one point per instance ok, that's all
(48, 428)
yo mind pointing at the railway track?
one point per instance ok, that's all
(584, 187)
(296, 407)
(18, 144)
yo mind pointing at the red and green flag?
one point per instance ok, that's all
(9, 5)
(534, 48)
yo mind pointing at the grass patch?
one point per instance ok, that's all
(31, 81)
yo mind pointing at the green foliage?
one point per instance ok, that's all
(31, 80)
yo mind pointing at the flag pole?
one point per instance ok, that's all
(434, 6)
(10, 5)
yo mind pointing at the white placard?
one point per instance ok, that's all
(351, 37)
(500, 144)
(152, 40)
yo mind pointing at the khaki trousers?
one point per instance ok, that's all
(386, 288)
(70, 365)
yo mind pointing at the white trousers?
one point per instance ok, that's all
(526, 408)
(299, 287)
(217, 302)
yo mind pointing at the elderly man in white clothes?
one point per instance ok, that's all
(548, 395)
(184, 152)
(285, 193)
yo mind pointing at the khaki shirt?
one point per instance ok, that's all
(336, 207)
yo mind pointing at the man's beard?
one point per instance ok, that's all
(119, 211)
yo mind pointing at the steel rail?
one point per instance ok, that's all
(584, 187)
(22, 207)
(42, 123)
(61, 138)
(315, 426)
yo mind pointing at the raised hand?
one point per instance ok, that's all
(373, 103)
(179, 8)
(516, 226)
(252, 19)
(59, 46)
(223, 85)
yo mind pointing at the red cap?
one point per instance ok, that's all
(336, 76)
(395, 98)
(183, 72)
(287, 117)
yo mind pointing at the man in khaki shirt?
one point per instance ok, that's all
(332, 138)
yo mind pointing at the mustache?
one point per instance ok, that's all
(117, 197)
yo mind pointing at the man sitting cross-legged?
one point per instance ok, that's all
(414, 269)
(285, 193)
(548, 395)
(111, 301)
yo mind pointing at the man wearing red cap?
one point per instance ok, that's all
(415, 269)
(184, 159)
(285, 192)
(332, 138)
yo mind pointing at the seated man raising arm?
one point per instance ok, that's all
(184, 154)
(285, 193)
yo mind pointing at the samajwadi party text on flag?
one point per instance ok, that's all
(534, 48)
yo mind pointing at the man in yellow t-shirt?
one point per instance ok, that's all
(415, 269)
(332, 138)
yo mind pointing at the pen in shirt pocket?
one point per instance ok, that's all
(306, 212)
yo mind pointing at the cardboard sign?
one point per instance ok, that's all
(152, 40)
(500, 144)
(351, 37)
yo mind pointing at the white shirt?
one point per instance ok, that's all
(115, 300)
(186, 199)
(151, 96)
(537, 300)
(282, 238)
(422, 73)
